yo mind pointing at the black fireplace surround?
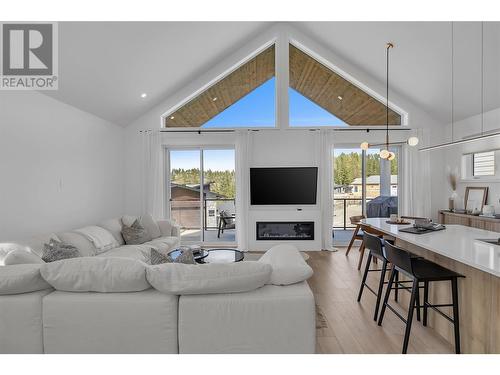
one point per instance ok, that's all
(285, 230)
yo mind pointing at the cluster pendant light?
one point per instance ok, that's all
(412, 141)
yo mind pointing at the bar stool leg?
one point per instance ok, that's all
(456, 322)
(380, 288)
(364, 276)
(410, 316)
(396, 291)
(361, 254)
(417, 302)
(426, 301)
(387, 294)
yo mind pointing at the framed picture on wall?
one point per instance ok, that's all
(475, 198)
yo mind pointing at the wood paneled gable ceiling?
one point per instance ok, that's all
(310, 78)
(225, 92)
(334, 93)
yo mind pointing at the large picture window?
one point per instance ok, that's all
(318, 96)
(245, 98)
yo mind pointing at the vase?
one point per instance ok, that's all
(451, 201)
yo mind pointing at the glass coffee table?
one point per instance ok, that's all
(223, 255)
(212, 255)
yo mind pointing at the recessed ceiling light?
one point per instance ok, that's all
(172, 117)
(214, 99)
(340, 97)
(143, 95)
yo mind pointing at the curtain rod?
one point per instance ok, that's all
(199, 131)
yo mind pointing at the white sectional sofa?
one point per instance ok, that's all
(118, 304)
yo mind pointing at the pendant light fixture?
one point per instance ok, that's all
(385, 153)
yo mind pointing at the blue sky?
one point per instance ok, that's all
(221, 160)
(257, 109)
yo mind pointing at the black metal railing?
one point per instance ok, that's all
(346, 223)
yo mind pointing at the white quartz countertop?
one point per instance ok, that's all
(456, 242)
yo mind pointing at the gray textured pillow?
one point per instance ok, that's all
(157, 257)
(135, 234)
(57, 250)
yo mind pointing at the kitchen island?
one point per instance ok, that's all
(461, 249)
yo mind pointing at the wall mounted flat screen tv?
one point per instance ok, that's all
(283, 186)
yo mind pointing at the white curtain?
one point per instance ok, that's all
(152, 174)
(325, 143)
(242, 187)
(416, 175)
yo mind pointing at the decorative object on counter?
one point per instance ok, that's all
(475, 199)
(488, 210)
(452, 178)
(395, 220)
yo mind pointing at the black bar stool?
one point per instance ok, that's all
(374, 245)
(420, 270)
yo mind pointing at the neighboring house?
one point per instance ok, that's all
(185, 205)
(373, 186)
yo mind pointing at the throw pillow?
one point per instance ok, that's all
(135, 234)
(57, 250)
(154, 257)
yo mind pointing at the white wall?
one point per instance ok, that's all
(449, 160)
(60, 167)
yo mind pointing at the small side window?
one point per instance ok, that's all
(483, 164)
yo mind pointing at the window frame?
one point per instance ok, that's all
(474, 165)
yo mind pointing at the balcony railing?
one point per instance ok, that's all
(343, 209)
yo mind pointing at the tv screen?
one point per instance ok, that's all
(290, 185)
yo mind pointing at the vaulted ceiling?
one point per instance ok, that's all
(104, 67)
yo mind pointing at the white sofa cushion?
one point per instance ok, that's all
(21, 257)
(182, 279)
(21, 278)
(288, 265)
(110, 323)
(272, 319)
(164, 244)
(21, 323)
(78, 240)
(114, 226)
(126, 251)
(96, 274)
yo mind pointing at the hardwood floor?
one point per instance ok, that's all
(351, 328)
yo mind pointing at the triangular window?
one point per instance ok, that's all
(304, 112)
(245, 98)
(345, 102)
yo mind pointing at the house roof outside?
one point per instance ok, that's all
(374, 180)
(196, 188)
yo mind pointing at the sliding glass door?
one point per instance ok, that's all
(359, 177)
(202, 193)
